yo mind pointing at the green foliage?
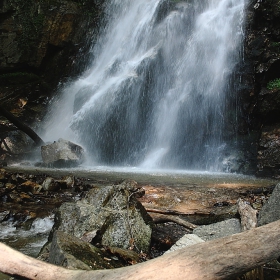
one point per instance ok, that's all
(18, 78)
(274, 84)
(275, 44)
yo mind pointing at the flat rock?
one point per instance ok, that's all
(218, 230)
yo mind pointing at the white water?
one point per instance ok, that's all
(159, 92)
(29, 240)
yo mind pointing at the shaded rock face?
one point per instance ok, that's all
(269, 152)
(110, 216)
(42, 43)
(45, 35)
(62, 153)
(261, 106)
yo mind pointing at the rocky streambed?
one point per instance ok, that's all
(95, 213)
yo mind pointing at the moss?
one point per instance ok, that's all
(274, 84)
(275, 44)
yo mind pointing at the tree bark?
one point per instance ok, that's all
(223, 258)
(22, 126)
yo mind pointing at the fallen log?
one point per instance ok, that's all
(222, 258)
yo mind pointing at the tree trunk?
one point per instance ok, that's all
(20, 125)
(223, 258)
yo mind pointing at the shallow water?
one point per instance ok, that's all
(27, 238)
(106, 174)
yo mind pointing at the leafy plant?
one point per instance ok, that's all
(275, 44)
(274, 84)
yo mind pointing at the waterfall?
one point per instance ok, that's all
(158, 93)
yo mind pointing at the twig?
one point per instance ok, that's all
(174, 212)
(160, 218)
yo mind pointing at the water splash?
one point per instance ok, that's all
(158, 92)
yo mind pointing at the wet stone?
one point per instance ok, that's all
(49, 184)
(10, 186)
(30, 186)
(4, 215)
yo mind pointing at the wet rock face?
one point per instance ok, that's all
(261, 102)
(269, 153)
(42, 44)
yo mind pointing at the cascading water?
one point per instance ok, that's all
(158, 92)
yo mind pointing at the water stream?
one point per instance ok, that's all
(160, 90)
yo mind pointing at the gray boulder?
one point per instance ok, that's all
(109, 215)
(218, 230)
(271, 209)
(62, 153)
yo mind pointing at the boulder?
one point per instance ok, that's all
(271, 210)
(62, 153)
(218, 230)
(110, 215)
